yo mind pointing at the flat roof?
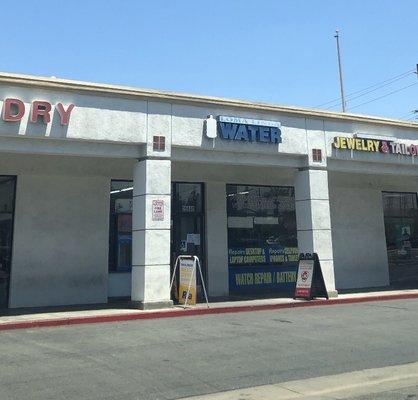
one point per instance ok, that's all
(127, 91)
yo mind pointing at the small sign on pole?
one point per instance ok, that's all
(310, 281)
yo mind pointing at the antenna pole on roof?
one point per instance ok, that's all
(340, 70)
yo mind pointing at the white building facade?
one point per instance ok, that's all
(101, 187)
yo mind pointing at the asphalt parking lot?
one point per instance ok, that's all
(178, 357)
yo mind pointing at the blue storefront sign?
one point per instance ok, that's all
(262, 269)
(249, 130)
(263, 279)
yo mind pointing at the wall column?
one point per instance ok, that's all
(314, 220)
(151, 234)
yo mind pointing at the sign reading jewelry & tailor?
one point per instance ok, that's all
(374, 145)
(249, 130)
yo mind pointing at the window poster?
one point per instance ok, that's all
(262, 244)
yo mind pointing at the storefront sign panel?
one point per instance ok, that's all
(262, 278)
(374, 145)
(249, 130)
(15, 109)
(256, 270)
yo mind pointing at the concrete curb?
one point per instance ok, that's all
(94, 319)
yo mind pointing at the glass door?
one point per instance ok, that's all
(120, 226)
(187, 223)
(7, 204)
(401, 229)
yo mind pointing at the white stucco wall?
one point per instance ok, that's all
(127, 119)
(188, 130)
(358, 232)
(358, 236)
(94, 117)
(60, 246)
(61, 231)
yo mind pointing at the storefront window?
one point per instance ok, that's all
(262, 239)
(120, 225)
(401, 229)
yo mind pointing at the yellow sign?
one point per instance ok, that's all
(187, 277)
(358, 144)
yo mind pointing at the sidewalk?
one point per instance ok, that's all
(114, 314)
(367, 382)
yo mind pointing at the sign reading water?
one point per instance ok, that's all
(249, 130)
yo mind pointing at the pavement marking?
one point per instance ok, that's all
(341, 386)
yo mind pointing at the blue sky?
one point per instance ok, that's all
(273, 51)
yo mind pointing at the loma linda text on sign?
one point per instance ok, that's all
(249, 130)
(374, 145)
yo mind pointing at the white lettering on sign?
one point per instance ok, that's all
(158, 210)
(249, 121)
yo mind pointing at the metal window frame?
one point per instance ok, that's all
(14, 178)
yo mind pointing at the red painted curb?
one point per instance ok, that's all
(194, 311)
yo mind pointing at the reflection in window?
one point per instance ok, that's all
(120, 226)
(188, 198)
(260, 215)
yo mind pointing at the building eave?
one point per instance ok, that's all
(53, 83)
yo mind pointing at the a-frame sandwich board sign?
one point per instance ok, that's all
(310, 281)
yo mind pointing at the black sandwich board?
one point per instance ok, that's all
(310, 281)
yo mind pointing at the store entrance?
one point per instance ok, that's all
(7, 203)
(401, 229)
(187, 223)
